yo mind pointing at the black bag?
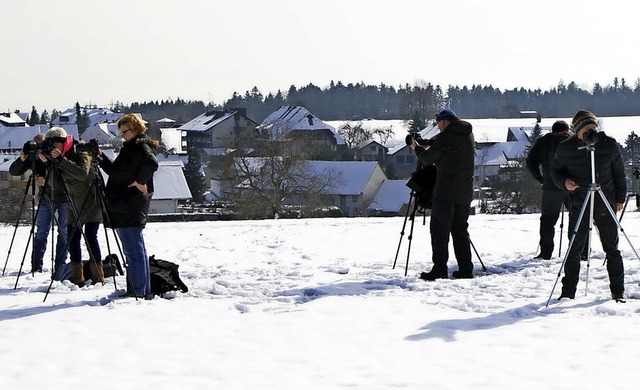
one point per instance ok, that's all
(422, 183)
(110, 265)
(164, 276)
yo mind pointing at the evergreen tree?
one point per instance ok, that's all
(193, 174)
(34, 118)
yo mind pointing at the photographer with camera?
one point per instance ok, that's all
(553, 197)
(453, 152)
(128, 192)
(52, 201)
(571, 169)
(84, 212)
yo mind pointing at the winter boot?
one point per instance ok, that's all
(97, 273)
(77, 276)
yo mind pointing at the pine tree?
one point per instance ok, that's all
(193, 174)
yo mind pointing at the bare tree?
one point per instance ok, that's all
(278, 174)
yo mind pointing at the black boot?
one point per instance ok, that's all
(433, 275)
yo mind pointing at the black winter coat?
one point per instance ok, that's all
(571, 162)
(127, 206)
(53, 186)
(453, 151)
(540, 156)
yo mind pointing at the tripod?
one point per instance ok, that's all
(412, 210)
(590, 200)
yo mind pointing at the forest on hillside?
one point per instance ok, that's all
(341, 101)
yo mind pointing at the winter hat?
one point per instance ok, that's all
(446, 115)
(56, 134)
(559, 127)
(583, 118)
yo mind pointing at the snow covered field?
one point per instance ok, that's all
(315, 304)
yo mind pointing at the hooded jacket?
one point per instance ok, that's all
(453, 152)
(540, 156)
(127, 206)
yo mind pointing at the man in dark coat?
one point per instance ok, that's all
(571, 168)
(52, 206)
(453, 152)
(553, 197)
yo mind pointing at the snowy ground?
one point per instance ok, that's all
(315, 304)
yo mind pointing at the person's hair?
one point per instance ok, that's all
(136, 123)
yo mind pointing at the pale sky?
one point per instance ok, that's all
(57, 52)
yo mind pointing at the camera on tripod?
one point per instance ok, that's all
(419, 140)
(31, 148)
(592, 136)
(90, 147)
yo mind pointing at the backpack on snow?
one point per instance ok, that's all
(164, 276)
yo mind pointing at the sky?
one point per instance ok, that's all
(316, 304)
(58, 52)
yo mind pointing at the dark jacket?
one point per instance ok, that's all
(79, 176)
(572, 162)
(127, 206)
(540, 156)
(53, 186)
(453, 151)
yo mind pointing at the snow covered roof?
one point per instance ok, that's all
(95, 115)
(391, 195)
(295, 118)
(169, 182)
(353, 176)
(491, 154)
(11, 119)
(206, 121)
(165, 120)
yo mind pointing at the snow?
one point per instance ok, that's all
(316, 304)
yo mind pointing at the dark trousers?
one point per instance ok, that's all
(91, 232)
(608, 232)
(450, 219)
(551, 207)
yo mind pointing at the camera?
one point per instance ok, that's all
(32, 148)
(419, 140)
(91, 147)
(592, 136)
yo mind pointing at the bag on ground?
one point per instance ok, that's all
(164, 276)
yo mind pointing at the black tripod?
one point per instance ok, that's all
(412, 208)
(590, 200)
(44, 199)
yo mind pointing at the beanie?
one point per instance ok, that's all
(56, 134)
(559, 127)
(583, 118)
(446, 115)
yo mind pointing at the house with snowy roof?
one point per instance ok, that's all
(372, 150)
(390, 198)
(219, 129)
(94, 115)
(296, 122)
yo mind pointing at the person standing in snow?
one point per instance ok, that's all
(453, 153)
(128, 192)
(571, 169)
(553, 197)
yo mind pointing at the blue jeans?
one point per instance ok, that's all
(135, 252)
(43, 225)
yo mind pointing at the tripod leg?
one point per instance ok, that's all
(561, 230)
(24, 200)
(413, 220)
(478, 255)
(404, 224)
(573, 237)
(613, 215)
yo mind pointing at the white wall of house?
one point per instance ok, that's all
(163, 206)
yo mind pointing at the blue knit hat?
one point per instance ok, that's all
(446, 115)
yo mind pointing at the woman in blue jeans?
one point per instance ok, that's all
(128, 192)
